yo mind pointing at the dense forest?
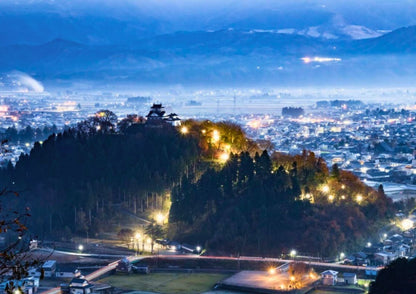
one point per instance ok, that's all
(77, 180)
(225, 192)
(269, 205)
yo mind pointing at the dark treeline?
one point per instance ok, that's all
(73, 181)
(398, 277)
(27, 134)
(267, 206)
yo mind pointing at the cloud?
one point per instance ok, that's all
(25, 82)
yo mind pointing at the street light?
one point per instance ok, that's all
(81, 247)
(215, 136)
(160, 218)
(184, 130)
(198, 248)
(341, 255)
(293, 253)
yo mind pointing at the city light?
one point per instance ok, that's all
(292, 278)
(184, 130)
(224, 157)
(341, 255)
(293, 253)
(138, 236)
(325, 189)
(198, 248)
(331, 197)
(343, 187)
(369, 244)
(359, 198)
(272, 270)
(81, 247)
(406, 224)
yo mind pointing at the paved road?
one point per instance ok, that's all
(102, 271)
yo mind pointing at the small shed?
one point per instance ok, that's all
(329, 277)
(350, 278)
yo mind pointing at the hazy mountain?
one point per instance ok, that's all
(125, 22)
(209, 42)
(221, 57)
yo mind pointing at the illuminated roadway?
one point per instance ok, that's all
(111, 266)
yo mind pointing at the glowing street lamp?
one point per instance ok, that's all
(369, 244)
(160, 218)
(81, 247)
(272, 270)
(359, 198)
(224, 157)
(325, 189)
(331, 197)
(406, 224)
(198, 248)
(341, 255)
(215, 136)
(184, 130)
(293, 253)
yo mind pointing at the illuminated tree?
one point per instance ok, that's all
(154, 231)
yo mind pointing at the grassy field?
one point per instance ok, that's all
(166, 282)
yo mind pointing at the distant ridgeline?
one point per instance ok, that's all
(226, 193)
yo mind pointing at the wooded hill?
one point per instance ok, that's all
(226, 194)
(270, 205)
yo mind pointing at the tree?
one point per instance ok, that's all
(398, 277)
(15, 259)
(129, 120)
(154, 231)
(105, 120)
(125, 235)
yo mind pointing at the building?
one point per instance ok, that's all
(173, 119)
(49, 268)
(77, 285)
(156, 114)
(350, 278)
(329, 277)
(157, 117)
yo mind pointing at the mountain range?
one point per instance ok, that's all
(300, 43)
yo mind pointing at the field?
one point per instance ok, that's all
(166, 282)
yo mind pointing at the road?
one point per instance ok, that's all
(111, 266)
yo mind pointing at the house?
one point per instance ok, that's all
(350, 278)
(329, 277)
(384, 257)
(173, 119)
(49, 268)
(80, 286)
